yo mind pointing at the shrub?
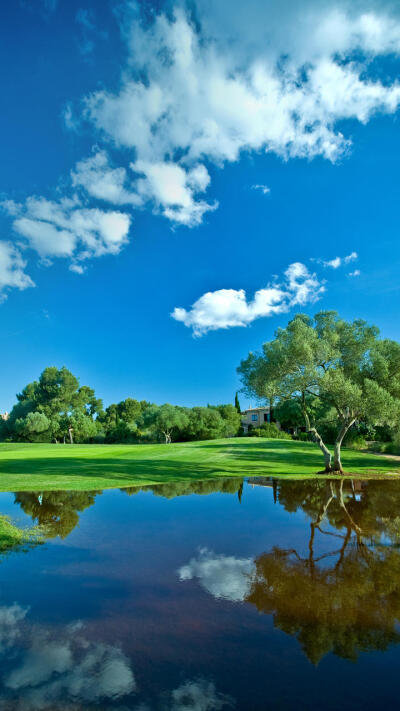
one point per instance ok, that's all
(357, 442)
(391, 448)
(270, 431)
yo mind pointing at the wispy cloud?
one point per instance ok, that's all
(227, 308)
(356, 273)
(263, 188)
(89, 31)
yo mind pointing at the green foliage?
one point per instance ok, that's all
(14, 538)
(327, 364)
(33, 428)
(48, 408)
(169, 421)
(269, 430)
(237, 404)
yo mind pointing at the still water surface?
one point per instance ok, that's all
(227, 594)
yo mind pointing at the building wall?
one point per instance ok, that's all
(255, 417)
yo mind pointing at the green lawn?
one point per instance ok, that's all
(50, 466)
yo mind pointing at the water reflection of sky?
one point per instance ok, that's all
(195, 601)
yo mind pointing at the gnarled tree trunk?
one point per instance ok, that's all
(316, 437)
(337, 462)
(318, 440)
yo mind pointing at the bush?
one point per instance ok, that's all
(270, 431)
(357, 442)
(391, 448)
(303, 436)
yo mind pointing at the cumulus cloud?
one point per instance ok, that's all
(68, 229)
(223, 576)
(202, 84)
(226, 308)
(12, 270)
(207, 92)
(172, 189)
(103, 182)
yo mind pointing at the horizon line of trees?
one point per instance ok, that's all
(56, 408)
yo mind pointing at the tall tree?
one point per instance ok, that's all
(345, 365)
(57, 400)
(237, 404)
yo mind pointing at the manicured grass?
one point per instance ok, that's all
(87, 467)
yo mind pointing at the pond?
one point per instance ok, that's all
(258, 594)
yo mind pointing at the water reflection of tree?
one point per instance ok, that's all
(226, 485)
(346, 600)
(57, 511)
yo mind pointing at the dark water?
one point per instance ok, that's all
(275, 595)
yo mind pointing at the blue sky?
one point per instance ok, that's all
(133, 137)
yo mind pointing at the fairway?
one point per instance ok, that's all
(85, 467)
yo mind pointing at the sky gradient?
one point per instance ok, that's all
(155, 153)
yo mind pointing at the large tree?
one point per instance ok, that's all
(53, 408)
(344, 365)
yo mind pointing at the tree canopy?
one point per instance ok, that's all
(56, 408)
(344, 366)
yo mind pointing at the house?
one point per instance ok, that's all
(255, 416)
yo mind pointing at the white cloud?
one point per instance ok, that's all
(43, 672)
(273, 79)
(10, 620)
(351, 258)
(226, 308)
(68, 229)
(173, 189)
(200, 695)
(356, 273)
(338, 261)
(223, 576)
(77, 268)
(264, 188)
(12, 266)
(202, 84)
(334, 263)
(103, 182)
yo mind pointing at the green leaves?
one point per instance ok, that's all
(344, 365)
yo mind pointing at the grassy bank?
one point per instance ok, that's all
(51, 467)
(14, 538)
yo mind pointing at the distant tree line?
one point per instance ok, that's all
(56, 408)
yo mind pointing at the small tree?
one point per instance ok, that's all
(345, 365)
(168, 420)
